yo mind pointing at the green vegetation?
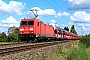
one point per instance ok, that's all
(12, 37)
(3, 37)
(73, 30)
(7, 42)
(85, 40)
(79, 53)
(66, 28)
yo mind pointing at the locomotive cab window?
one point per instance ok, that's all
(30, 22)
(24, 23)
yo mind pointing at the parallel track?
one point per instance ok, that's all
(11, 49)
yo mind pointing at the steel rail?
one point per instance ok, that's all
(20, 48)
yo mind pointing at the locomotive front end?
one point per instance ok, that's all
(26, 29)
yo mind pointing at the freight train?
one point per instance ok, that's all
(34, 30)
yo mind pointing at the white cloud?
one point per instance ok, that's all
(79, 4)
(40, 12)
(13, 7)
(8, 22)
(70, 24)
(53, 23)
(62, 14)
(80, 16)
(83, 29)
(81, 21)
(47, 12)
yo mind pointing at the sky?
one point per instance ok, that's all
(64, 13)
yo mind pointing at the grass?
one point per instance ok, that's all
(7, 42)
(76, 53)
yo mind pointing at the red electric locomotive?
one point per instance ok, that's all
(34, 30)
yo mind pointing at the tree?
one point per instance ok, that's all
(16, 33)
(85, 40)
(3, 37)
(16, 30)
(0, 37)
(66, 28)
(13, 37)
(73, 30)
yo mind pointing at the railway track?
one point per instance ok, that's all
(7, 49)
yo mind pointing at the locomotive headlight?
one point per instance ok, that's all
(31, 29)
(22, 29)
(31, 32)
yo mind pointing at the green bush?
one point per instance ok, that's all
(76, 53)
(79, 53)
(85, 40)
(13, 37)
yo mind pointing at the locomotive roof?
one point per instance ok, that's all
(24, 19)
